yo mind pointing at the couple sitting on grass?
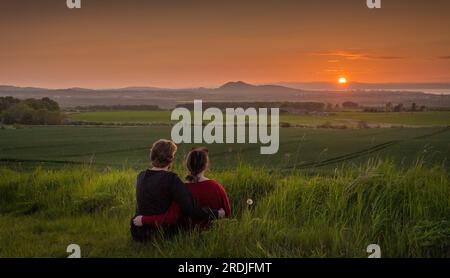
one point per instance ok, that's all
(165, 203)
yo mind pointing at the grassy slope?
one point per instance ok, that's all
(294, 214)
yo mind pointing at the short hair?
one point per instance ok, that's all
(162, 153)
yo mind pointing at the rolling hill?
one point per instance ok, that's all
(232, 91)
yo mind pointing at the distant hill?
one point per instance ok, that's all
(240, 86)
(138, 89)
(366, 86)
(239, 91)
(8, 88)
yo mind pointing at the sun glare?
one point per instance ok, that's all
(342, 80)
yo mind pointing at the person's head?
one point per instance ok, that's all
(162, 153)
(196, 162)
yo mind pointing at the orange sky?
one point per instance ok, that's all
(187, 43)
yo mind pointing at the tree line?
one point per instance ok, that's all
(30, 111)
(118, 107)
(284, 106)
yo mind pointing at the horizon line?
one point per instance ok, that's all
(215, 86)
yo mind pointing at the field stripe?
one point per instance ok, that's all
(108, 152)
(69, 162)
(433, 133)
(363, 152)
(15, 160)
(345, 157)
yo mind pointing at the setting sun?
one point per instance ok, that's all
(342, 80)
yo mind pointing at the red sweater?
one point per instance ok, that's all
(206, 194)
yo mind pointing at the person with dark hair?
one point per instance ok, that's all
(158, 188)
(206, 192)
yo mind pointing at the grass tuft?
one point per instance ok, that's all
(294, 213)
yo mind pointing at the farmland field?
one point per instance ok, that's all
(337, 118)
(326, 193)
(129, 146)
(123, 116)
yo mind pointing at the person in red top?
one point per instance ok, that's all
(206, 192)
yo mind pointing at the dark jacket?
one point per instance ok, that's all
(156, 191)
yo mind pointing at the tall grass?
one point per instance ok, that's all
(294, 214)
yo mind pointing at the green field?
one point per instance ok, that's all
(326, 193)
(123, 116)
(299, 147)
(338, 118)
